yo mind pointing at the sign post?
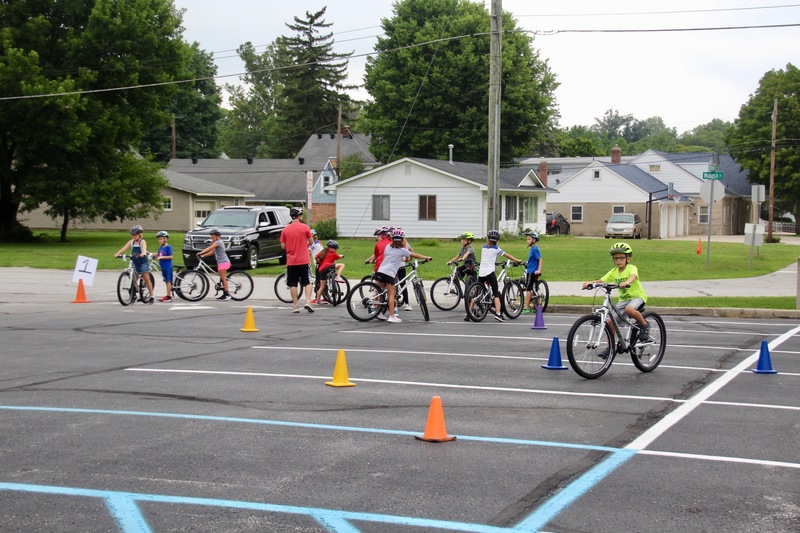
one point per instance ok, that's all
(707, 193)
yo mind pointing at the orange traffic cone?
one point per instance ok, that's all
(340, 377)
(435, 430)
(249, 322)
(699, 248)
(80, 298)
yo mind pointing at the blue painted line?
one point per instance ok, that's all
(306, 425)
(127, 514)
(565, 497)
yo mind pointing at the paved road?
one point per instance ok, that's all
(169, 418)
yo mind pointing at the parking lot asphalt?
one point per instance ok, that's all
(168, 417)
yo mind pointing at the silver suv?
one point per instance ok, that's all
(624, 225)
(251, 235)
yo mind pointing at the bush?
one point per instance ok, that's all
(326, 229)
(18, 233)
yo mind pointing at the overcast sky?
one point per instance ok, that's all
(687, 78)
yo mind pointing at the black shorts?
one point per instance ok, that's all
(384, 278)
(297, 274)
(530, 281)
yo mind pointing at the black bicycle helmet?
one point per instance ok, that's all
(493, 235)
(136, 229)
(296, 212)
(621, 248)
(333, 244)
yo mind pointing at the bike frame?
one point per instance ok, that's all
(609, 310)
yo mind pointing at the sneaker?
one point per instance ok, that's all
(225, 297)
(151, 301)
(308, 308)
(165, 299)
(408, 308)
(644, 335)
(604, 354)
(466, 318)
(133, 299)
(296, 310)
(499, 318)
(394, 318)
(529, 310)
(339, 280)
(314, 302)
(381, 316)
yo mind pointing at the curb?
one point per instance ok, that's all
(721, 312)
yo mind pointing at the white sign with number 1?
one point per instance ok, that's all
(85, 269)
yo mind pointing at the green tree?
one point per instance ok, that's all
(429, 84)
(57, 146)
(580, 141)
(351, 165)
(309, 84)
(708, 137)
(197, 112)
(750, 137)
(612, 125)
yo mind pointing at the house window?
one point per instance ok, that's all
(167, 203)
(326, 180)
(427, 207)
(529, 209)
(702, 214)
(617, 209)
(576, 213)
(510, 208)
(596, 174)
(380, 207)
(655, 168)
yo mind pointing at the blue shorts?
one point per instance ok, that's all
(141, 267)
(166, 273)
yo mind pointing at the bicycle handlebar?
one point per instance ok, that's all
(608, 287)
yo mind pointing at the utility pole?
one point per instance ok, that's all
(338, 142)
(772, 171)
(495, 79)
(173, 136)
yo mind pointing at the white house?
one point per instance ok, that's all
(435, 198)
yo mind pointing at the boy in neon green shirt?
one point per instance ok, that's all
(631, 294)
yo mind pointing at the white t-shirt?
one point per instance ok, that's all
(489, 255)
(393, 260)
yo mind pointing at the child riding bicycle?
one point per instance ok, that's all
(217, 248)
(141, 265)
(631, 294)
(326, 260)
(393, 257)
(486, 273)
(532, 270)
(466, 254)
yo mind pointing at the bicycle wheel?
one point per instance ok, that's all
(543, 291)
(282, 290)
(476, 302)
(365, 301)
(647, 357)
(590, 349)
(125, 290)
(191, 285)
(144, 292)
(419, 292)
(336, 291)
(446, 293)
(513, 299)
(240, 285)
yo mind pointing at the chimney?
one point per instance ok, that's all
(249, 160)
(319, 136)
(194, 160)
(543, 172)
(616, 155)
(333, 135)
(450, 147)
(301, 160)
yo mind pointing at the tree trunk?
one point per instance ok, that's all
(8, 216)
(64, 226)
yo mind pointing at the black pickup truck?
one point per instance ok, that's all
(251, 235)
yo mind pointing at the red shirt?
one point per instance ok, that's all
(329, 259)
(380, 246)
(296, 238)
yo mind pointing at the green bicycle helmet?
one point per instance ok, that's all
(467, 235)
(621, 248)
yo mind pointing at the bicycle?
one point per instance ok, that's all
(193, 284)
(540, 295)
(367, 299)
(129, 284)
(446, 292)
(592, 343)
(479, 298)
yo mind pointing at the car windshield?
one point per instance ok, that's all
(627, 219)
(230, 219)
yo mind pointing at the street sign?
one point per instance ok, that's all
(712, 191)
(712, 175)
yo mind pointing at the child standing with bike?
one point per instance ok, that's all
(164, 256)
(631, 294)
(217, 249)
(141, 266)
(393, 257)
(326, 260)
(486, 273)
(466, 254)
(532, 271)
